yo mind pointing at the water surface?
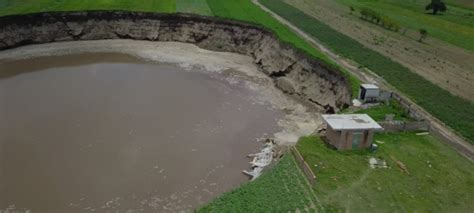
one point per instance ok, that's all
(107, 132)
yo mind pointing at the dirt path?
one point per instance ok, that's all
(458, 143)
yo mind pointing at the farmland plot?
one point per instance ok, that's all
(456, 112)
(445, 65)
(455, 26)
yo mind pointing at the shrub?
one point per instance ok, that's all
(375, 17)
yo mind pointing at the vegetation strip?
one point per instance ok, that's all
(281, 189)
(452, 110)
(193, 6)
(11, 7)
(393, 107)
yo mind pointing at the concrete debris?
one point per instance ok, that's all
(375, 163)
(254, 173)
(422, 133)
(369, 105)
(261, 160)
(356, 103)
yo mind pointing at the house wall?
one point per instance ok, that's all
(372, 93)
(346, 142)
(346, 138)
(367, 139)
(333, 137)
(342, 140)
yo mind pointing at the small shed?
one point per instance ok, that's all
(369, 92)
(351, 131)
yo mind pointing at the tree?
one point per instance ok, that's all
(423, 35)
(436, 5)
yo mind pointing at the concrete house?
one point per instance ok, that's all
(352, 131)
(369, 93)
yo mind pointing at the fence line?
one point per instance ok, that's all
(462, 146)
(304, 166)
(390, 126)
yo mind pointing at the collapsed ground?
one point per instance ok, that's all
(457, 115)
(360, 191)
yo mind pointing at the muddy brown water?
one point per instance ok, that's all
(108, 132)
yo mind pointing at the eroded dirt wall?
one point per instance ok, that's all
(294, 72)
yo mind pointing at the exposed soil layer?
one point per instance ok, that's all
(294, 72)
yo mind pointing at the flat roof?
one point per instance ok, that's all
(369, 86)
(351, 122)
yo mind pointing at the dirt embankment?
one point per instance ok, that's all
(294, 72)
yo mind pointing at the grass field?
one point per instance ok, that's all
(193, 6)
(455, 26)
(245, 10)
(456, 112)
(8, 7)
(439, 179)
(282, 189)
(378, 112)
(469, 4)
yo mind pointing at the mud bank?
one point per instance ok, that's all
(294, 72)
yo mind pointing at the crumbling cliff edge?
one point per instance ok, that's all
(293, 71)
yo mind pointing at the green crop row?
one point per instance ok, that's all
(281, 189)
(456, 112)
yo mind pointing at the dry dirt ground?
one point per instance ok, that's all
(448, 66)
